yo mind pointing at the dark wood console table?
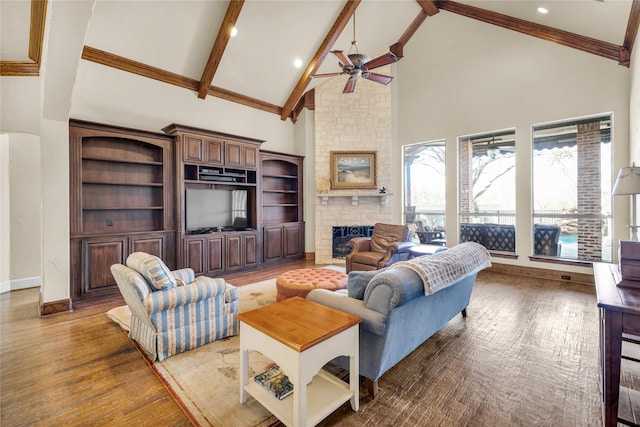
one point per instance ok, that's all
(619, 314)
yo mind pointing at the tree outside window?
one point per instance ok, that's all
(487, 190)
(424, 187)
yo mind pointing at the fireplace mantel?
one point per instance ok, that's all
(355, 196)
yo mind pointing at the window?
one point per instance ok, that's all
(424, 185)
(487, 190)
(572, 189)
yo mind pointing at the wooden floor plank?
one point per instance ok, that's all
(507, 357)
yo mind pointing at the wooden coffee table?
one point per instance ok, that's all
(301, 337)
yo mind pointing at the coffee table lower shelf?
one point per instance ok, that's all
(325, 394)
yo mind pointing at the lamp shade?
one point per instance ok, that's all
(628, 181)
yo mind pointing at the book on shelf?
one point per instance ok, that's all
(275, 382)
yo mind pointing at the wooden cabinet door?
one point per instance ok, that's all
(293, 240)
(215, 256)
(98, 254)
(234, 252)
(214, 151)
(251, 258)
(153, 245)
(193, 149)
(272, 243)
(194, 255)
(249, 157)
(233, 154)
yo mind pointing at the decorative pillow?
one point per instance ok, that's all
(152, 269)
(358, 281)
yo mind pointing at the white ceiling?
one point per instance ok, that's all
(177, 36)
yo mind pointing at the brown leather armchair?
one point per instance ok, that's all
(389, 243)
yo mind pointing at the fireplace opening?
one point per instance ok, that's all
(341, 235)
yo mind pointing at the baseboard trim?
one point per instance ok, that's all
(310, 256)
(53, 307)
(17, 284)
(543, 273)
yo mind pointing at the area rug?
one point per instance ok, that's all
(210, 395)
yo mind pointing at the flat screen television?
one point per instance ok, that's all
(207, 208)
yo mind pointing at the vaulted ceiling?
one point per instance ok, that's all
(188, 43)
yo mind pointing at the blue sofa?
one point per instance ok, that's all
(399, 312)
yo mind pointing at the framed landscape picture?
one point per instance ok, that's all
(353, 170)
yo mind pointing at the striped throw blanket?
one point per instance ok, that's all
(445, 268)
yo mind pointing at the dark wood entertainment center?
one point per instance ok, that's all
(127, 194)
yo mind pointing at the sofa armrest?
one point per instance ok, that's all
(231, 293)
(372, 320)
(185, 275)
(360, 244)
(201, 289)
(401, 247)
(392, 288)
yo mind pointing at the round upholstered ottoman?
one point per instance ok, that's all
(298, 283)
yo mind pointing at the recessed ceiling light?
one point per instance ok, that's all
(543, 10)
(297, 62)
(234, 32)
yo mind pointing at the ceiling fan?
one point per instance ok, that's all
(357, 64)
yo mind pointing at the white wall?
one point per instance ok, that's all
(452, 83)
(5, 225)
(21, 211)
(634, 106)
(26, 210)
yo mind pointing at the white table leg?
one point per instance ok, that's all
(244, 367)
(299, 395)
(354, 365)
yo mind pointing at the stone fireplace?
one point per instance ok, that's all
(352, 122)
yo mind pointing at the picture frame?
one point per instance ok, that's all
(353, 170)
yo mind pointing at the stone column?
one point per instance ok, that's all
(466, 180)
(589, 191)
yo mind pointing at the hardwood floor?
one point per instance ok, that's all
(79, 368)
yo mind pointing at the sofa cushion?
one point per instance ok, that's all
(368, 258)
(358, 281)
(152, 269)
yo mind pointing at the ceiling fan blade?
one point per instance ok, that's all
(326, 75)
(380, 61)
(378, 78)
(341, 56)
(351, 84)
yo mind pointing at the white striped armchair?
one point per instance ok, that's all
(172, 311)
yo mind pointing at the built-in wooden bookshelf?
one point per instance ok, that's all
(121, 201)
(281, 205)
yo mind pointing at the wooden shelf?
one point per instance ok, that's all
(132, 162)
(279, 176)
(121, 208)
(130, 184)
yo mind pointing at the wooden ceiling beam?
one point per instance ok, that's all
(36, 38)
(630, 34)
(429, 8)
(121, 63)
(331, 37)
(565, 38)
(224, 34)
(135, 67)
